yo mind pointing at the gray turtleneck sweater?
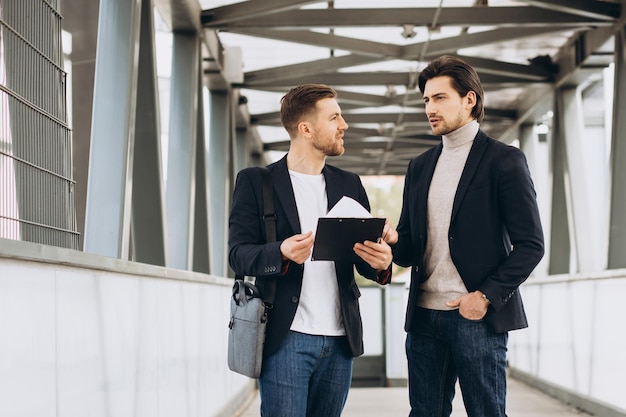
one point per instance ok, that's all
(444, 282)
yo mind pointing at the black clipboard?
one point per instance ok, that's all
(335, 237)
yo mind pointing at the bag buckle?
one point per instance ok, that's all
(270, 217)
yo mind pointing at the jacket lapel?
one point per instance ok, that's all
(473, 159)
(426, 177)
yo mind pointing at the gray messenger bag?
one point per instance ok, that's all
(248, 308)
(246, 334)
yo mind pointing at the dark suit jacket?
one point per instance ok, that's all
(249, 254)
(495, 234)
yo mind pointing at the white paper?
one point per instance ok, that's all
(348, 207)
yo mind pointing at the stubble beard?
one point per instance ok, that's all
(330, 149)
(446, 128)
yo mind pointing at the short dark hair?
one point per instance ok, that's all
(464, 80)
(300, 102)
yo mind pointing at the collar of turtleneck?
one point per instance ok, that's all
(461, 136)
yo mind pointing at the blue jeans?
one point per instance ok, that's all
(308, 376)
(441, 346)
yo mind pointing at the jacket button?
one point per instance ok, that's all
(294, 299)
(417, 269)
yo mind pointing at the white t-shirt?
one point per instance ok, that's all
(319, 309)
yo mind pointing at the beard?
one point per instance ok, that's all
(445, 128)
(329, 148)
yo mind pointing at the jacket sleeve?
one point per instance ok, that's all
(404, 250)
(363, 267)
(249, 254)
(522, 235)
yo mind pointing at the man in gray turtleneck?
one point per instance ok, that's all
(470, 231)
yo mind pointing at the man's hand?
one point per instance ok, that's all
(377, 255)
(390, 235)
(297, 248)
(472, 306)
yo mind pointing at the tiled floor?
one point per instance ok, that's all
(523, 401)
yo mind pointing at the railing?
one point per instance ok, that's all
(88, 335)
(83, 335)
(575, 343)
(573, 348)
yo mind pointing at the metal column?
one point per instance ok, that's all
(219, 163)
(560, 243)
(617, 217)
(182, 149)
(80, 18)
(148, 218)
(579, 171)
(107, 219)
(201, 242)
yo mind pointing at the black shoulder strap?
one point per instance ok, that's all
(269, 216)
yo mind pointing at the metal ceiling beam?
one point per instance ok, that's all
(324, 40)
(437, 47)
(419, 16)
(454, 43)
(416, 119)
(361, 147)
(382, 142)
(383, 146)
(306, 69)
(376, 51)
(571, 57)
(376, 78)
(249, 9)
(180, 15)
(359, 133)
(344, 79)
(491, 66)
(408, 52)
(570, 60)
(487, 66)
(351, 97)
(596, 9)
(362, 99)
(384, 118)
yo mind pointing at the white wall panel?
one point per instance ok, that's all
(575, 339)
(27, 341)
(78, 342)
(608, 366)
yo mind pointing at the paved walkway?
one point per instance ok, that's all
(523, 401)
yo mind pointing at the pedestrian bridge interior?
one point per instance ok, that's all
(123, 125)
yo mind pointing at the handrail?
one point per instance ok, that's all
(28, 251)
(587, 276)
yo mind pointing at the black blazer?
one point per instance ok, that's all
(495, 234)
(250, 255)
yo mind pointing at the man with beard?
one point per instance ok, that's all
(470, 231)
(314, 328)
